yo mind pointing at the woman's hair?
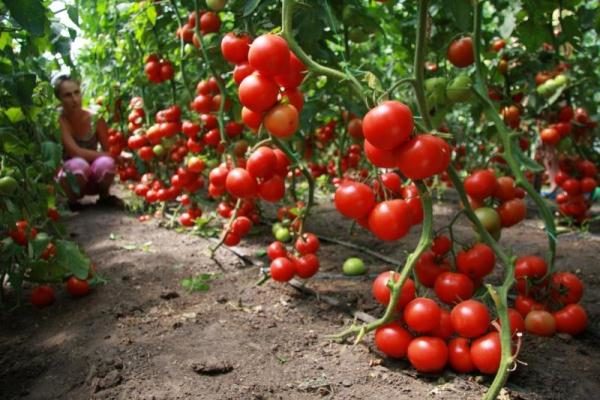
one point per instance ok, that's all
(58, 80)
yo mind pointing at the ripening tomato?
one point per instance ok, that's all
(571, 319)
(481, 184)
(355, 128)
(427, 354)
(453, 287)
(77, 287)
(498, 44)
(486, 353)
(392, 182)
(566, 288)
(392, 340)
(293, 76)
(235, 47)
(550, 136)
(524, 305)
(388, 125)
(307, 265)
(512, 116)
(308, 243)
(441, 245)
(382, 293)
(282, 121)
(424, 156)
(262, 162)
(460, 52)
(239, 183)
(422, 315)
(428, 268)
(272, 189)
(282, 269)
(529, 267)
(379, 157)
(252, 119)
(241, 71)
(258, 93)
(354, 200)
(540, 322)
(459, 355)
(276, 250)
(390, 220)
(269, 54)
(505, 190)
(42, 296)
(515, 321)
(241, 226)
(476, 262)
(470, 318)
(512, 212)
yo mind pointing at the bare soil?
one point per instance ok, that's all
(142, 336)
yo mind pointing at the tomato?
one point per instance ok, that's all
(276, 250)
(512, 212)
(459, 355)
(498, 44)
(428, 268)
(444, 330)
(42, 296)
(422, 315)
(505, 190)
(550, 136)
(235, 47)
(308, 243)
(354, 266)
(241, 71)
(241, 226)
(540, 322)
(8, 185)
(49, 252)
(252, 119)
(477, 262)
(382, 293)
(524, 305)
(481, 184)
(216, 5)
(424, 156)
(269, 54)
(77, 287)
(460, 52)
(571, 319)
(388, 125)
(587, 168)
(489, 218)
(441, 245)
(282, 269)
(452, 287)
(392, 340)
(258, 93)
(486, 353)
(392, 182)
(293, 76)
(209, 22)
(294, 97)
(262, 162)
(566, 288)
(379, 157)
(470, 318)
(354, 200)
(427, 354)
(526, 268)
(307, 266)
(588, 185)
(355, 128)
(239, 183)
(272, 189)
(515, 321)
(390, 220)
(282, 121)
(511, 116)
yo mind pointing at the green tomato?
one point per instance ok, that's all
(216, 5)
(436, 90)
(283, 235)
(354, 266)
(358, 35)
(489, 218)
(8, 185)
(545, 89)
(276, 226)
(459, 90)
(561, 80)
(158, 150)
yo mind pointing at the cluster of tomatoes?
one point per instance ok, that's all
(567, 121)
(116, 142)
(22, 233)
(268, 75)
(303, 262)
(483, 185)
(465, 337)
(577, 179)
(43, 295)
(209, 23)
(158, 70)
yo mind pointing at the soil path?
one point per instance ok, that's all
(142, 336)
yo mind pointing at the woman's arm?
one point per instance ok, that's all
(71, 147)
(102, 133)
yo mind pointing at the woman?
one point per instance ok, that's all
(93, 170)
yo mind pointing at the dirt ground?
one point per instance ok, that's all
(142, 336)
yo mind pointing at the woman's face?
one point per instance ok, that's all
(70, 95)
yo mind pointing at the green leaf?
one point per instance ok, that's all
(70, 257)
(51, 154)
(250, 6)
(30, 14)
(73, 12)
(22, 87)
(461, 10)
(13, 145)
(525, 162)
(15, 114)
(5, 39)
(151, 14)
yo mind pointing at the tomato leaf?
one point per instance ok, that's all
(250, 6)
(31, 15)
(461, 10)
(71, 258)
(51, 154)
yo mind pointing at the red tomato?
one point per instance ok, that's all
(441, 245)
(235, 47)
(452, 287)
(470, 318)
(390, 220)
(388, 125)
(512, 212)
(379, 157)
(550, 136)
(529, 268)
(588, 185)
(77, 287)
(566, 288)
(282, 121)
(540, 322)
(459, 355)
(477, 262)
(486, 353)
(241, 71)
(209, 22)
(261, 163)
(572, 186)
(292, 78)
(481, 184)
(460, 52)
(382, 293)
(422, 315)
(258, 93)
(354, 200)
(392, 182)
(276, 250)
(355, 128)
(241, 226)
(516, 321)
(392, 340)
(307, 266)
(571, 319)
(444, 330)
(269, 54)
(428, 268)
(524, 305)
(240, 183)
(282, 269)
(294, 97)
(428, 354)
(252, 119)
(42, 296)
(308, 243)
(424, 156)
(505, 190)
